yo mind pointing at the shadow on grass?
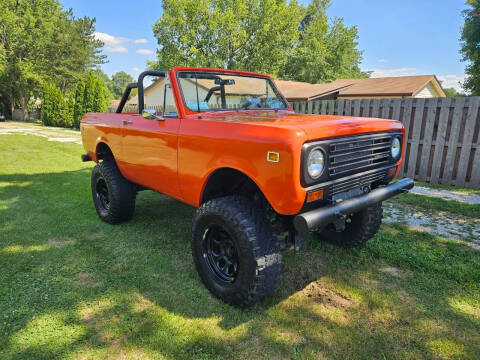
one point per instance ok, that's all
(72, 285)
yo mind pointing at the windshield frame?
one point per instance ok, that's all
(232, 73)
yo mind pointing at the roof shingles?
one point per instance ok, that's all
(388, 86)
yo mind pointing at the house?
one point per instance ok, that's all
(423, 86)
(153, 94)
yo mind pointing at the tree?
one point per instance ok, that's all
(89, 93)
(452, 93)
(94, 99)
(67, 111)
(235, 34)
(325, 52)
(99, 96)
(42, 43)
(55, 109)
(276, 37)
(107, 83)
(119, 82)
(470, 50)
(78, 103)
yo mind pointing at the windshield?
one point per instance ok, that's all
(207, 91)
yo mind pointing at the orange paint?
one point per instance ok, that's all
(177, 156)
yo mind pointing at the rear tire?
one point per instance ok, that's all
(113, 195)
(235, 252)
(360, 228)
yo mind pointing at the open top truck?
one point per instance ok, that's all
(261, 177)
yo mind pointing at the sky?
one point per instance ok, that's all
(408, 37)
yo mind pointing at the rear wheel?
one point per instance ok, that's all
(359, 228)
(235, 252)
(113, 195)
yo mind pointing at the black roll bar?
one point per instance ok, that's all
(139, 85)
(141, 103)
(125, 96)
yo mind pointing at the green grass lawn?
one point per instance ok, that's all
(74, 287)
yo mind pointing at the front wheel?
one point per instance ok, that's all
(359, 228)
(235, 252)
(113, 195)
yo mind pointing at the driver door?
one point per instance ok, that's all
(149, 147)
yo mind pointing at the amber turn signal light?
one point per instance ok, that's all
(315, 195)
(273, 156)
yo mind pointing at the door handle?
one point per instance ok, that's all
(126, 122)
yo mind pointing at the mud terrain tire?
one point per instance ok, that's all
(113, 195)
(360, 228)
(235, 252)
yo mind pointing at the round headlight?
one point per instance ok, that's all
(315, 163)
(396, 148)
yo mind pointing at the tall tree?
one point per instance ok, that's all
(277, 37)
(242, 34)
(55, 109)
(78, 103)
(94, 99)
(40, 42)
(106, 82)
(325, 51)
(119, 82)
(470, 42)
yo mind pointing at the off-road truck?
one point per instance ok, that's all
(261, 177)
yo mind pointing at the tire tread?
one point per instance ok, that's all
(122, 200)
(250, 224)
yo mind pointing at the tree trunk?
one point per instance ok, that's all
(23, 102)
(12, 105)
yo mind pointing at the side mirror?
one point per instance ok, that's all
(151, 114)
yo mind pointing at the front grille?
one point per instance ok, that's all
(358, 182)
(358, 153)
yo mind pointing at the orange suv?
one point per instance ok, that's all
(261, 177)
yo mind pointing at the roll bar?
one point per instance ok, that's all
(139, 85)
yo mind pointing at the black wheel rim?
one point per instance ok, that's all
(101, 192)
(220, 254)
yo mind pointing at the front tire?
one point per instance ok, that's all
(113, 195)
(235, 252)
(360, 228)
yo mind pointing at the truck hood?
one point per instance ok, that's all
(314, 126)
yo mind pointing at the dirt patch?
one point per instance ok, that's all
(327, 296)
(87, 279)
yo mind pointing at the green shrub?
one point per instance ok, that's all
(54, 107)
(89, 95)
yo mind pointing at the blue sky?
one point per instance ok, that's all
(408, 37)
